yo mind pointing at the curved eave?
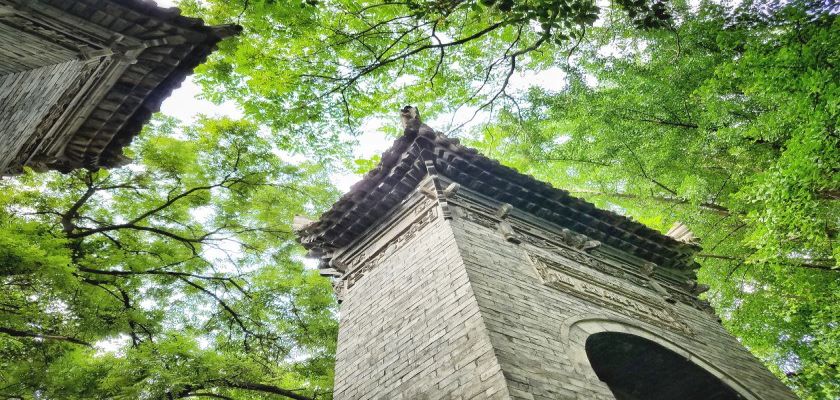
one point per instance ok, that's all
(180, 44)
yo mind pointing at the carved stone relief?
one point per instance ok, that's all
(608, 294)
(477, 218)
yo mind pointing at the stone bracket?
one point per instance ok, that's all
(504, 227)
(574, 246)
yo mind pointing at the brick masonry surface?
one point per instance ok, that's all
(453, 309)
(411, 328)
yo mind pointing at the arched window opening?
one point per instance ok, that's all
(636, 368)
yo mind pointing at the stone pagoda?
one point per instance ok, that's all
(461, 278)
(79, 78)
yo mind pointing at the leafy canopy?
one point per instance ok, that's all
(310, 69)
(177, 276)
(721, 117)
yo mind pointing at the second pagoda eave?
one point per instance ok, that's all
(103, 66)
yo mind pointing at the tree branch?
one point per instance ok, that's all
(644, 172)
(789, 261)
(221, 302)
(267, 389)
(35, 335)
(160, 271)
(206, 394)
(73, 212)
(717, 208)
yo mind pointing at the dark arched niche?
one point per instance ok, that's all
(636, 368)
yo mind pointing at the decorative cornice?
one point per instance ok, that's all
(404, 165)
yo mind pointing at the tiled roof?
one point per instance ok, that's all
(178, 45)
(402, 168)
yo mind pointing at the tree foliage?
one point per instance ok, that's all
(175, 277)
(312, 68)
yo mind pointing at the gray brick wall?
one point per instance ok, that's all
(542, 356)
(411, 328)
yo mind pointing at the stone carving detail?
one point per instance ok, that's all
(647, 281)
(478, 218)
(608, 294)
(369, 259)
(502, 220)
(696, 288)
(506, 229)
(503, 226)
(439, 193)
(584, 259)
(340, 289)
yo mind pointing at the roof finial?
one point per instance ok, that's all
(412, 125)
(408, 115)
